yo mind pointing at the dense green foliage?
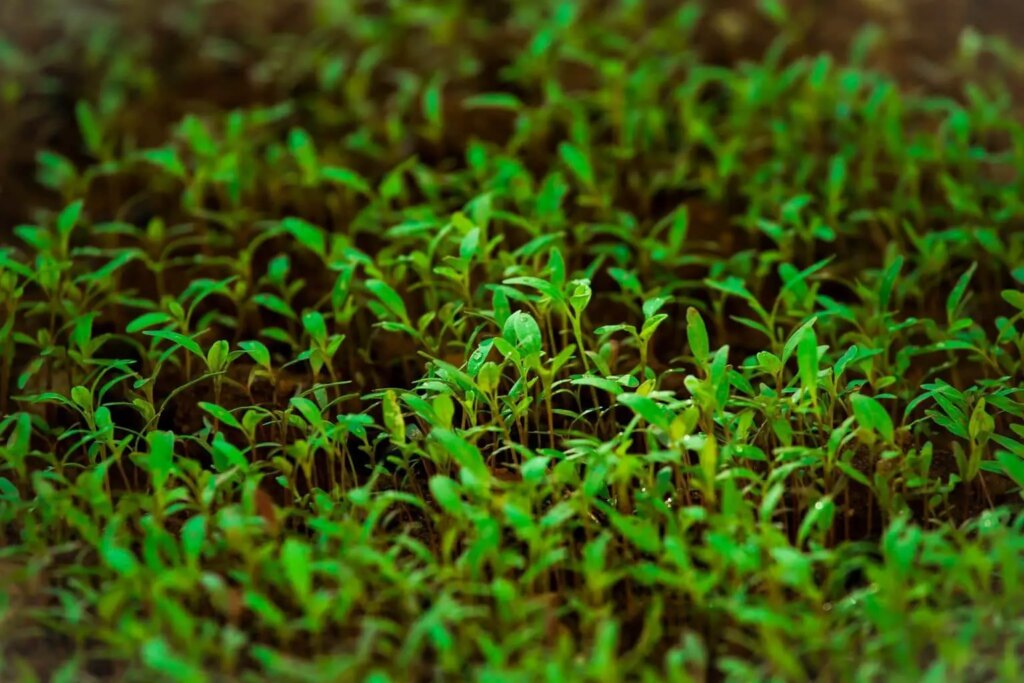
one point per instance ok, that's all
(504, 341)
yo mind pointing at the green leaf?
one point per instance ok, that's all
(390, 298)
(651, 325)
(161, 456)
(6, 263)
(872, 415)
(119, 559)
(89, 127)
(502, 309)
(68, 218)
(265, 610)
(278, 269)
(981, 424)
(709, 463)
(55, 171)
(957, 293)
(165, 663)
(221, 414)
(648, 409)
(469, 248)
(522, 331)
(888, 283)
(444, 409)
(488, 377)
(465, 454)
(432, 104)
(697, 335)
(226, 455)
(217, 356)
(166, 159)
(296, 559)
(551, 195)
(794, 280)
(308, 410)
(794, 339)
(179, 339)
(775, 10)
(1012, 465)
(900, 544)
(652, 306)
(639, 531)
(840, 367)
(447, 494)
(752, 324)
(300, 143)
(770, 362)
(542, 286)
(316, 326)
(356, 423)
(807, 362)
(479, 357)
(393, 184)
(8, 491)
(734, 286)
(853, 473)
(577, 162)
(492, 100)
(274, 303)
(346, 177)
(611, 386)
(581, 295)
(556, 266)
(836, 179)
(258, 352)
(82, 397)
(627, 279)
(818, 518)
(1014, 298)
(308, 235)
(718, 377)
(108, 268)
